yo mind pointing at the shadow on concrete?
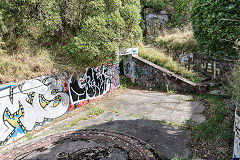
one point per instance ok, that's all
(167, 141)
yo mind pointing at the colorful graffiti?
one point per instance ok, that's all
(30, 104)
(94, 83)
(27, 106)
(148, 74)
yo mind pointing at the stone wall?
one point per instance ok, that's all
(28, 105)
(146, 73)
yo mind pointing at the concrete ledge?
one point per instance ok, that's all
(144, 72)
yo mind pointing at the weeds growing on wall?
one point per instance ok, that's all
(163, 60)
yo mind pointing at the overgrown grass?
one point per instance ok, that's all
(126, 82)
(178, 41)
(24, 62)
(24, 58)
(166, 61)
(217, 131)
(213, 129)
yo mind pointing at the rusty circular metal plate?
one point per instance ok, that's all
(86, 144)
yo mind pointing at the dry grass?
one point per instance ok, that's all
(24, 63)
(25, 59)
(178, 41)
(163, 60)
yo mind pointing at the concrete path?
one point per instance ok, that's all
(154, 117)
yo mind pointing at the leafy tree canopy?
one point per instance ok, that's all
(216, 25)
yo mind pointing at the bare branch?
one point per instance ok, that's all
(232, 20)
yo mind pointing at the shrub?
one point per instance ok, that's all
(92, 30)
(115, 25)
(155, 4)
(216, 26)
(181, 13)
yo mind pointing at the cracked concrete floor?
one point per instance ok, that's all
(153, 105)
(139, 113)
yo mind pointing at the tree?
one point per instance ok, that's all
(110, 25)
(216, 25)
(92, 31)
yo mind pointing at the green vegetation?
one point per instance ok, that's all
(116, 25)
(235, 86)
(170, 91)
(57, 33)
(217, 130)
(165, 61)
(126, 82)
(192, 157)
(181, 14)
(216, 27)
(178, 41)
(155, 4)
(94, 112)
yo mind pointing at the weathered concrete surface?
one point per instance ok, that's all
(157, 106)
(139, 113)
(166, 140)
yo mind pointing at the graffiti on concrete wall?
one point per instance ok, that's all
(94, 83)
(146, 73)
(217, 69)
(25, 106)
(154, 22)
(236, 149)
(128, 67)
(211, 67)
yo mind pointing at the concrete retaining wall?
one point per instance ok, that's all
(28, 105)
(148, 74)
(214, 68)
(236, 148)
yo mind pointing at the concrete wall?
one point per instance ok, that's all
(214, 68)
(154, 22)
(236, 149)
(28, 105)
(146, 73)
